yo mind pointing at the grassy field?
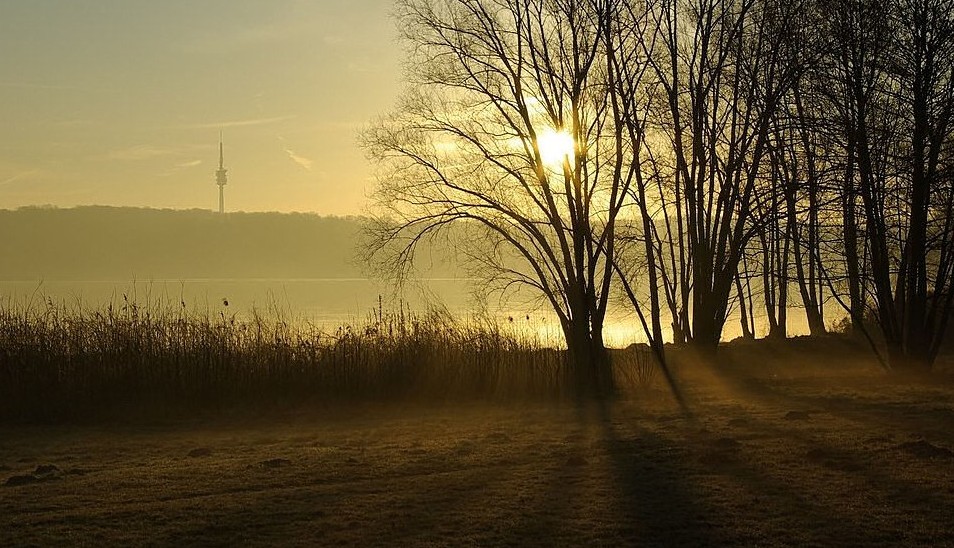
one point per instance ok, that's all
(801, 453)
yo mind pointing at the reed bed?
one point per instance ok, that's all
(62, 360)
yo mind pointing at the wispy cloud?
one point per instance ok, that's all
(237, 123)
(300, 160)
(304, 163)
(18, 177)
(179, 168)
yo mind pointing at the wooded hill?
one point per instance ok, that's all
(121, 243)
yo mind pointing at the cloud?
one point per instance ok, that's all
(300, 160)
(238, 123)
(178, 168)
(18, 177)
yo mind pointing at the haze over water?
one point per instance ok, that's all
(332, 302)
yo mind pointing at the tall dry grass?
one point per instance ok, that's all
(61, 360)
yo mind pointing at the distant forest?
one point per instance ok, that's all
(126, 244)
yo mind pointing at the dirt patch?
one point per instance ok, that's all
(25, 479)
(42, 473)
(926, 450)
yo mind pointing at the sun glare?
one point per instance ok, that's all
(554, 147)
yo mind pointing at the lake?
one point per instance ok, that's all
(331, 302)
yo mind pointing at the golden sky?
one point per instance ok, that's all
(120, 102)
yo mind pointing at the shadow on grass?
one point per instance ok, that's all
(869, 489)
(656, 503)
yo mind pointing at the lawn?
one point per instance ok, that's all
(801, 454)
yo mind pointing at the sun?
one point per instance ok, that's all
(555, 146)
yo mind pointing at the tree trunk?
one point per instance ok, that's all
(588, 362)
(706, 323)
(850, 232)
(768, 287)
(747, 332)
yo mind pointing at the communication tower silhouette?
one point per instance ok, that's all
(221, 176)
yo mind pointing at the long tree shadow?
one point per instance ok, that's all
(841, 451)
(930, 411)
(657, 504)
(682, 485)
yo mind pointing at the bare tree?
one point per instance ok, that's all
(799, 154)
(884, 72)
(775, 236)
(853, 81)
(914, 318)
(894, 67)
(498, 86)
(627, 30)
(725, 67)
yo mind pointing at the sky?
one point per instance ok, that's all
(120, 102)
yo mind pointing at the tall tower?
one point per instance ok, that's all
(221, 176)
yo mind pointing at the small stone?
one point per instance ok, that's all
(797, 416)
(200, 452)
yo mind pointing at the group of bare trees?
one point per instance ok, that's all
(723, 153)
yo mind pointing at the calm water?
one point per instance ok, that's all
(329, 302)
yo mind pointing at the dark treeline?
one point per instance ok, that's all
(746, 155)
(127, 244)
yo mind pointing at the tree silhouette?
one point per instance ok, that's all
(725, 68)
(491, 79)
(890, 63)
(721, 151)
